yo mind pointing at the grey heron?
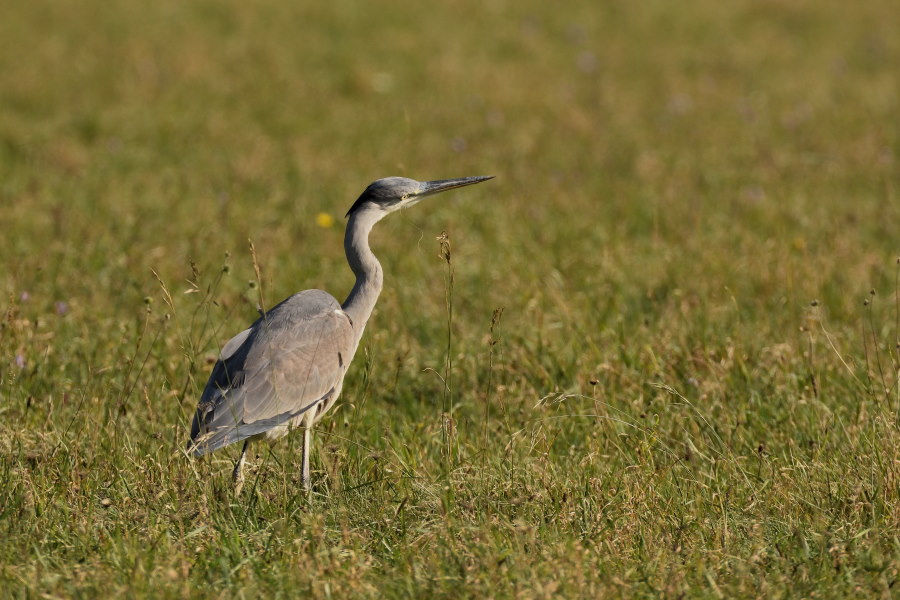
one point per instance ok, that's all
(286, 370)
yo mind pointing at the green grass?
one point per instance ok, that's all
(661, 409)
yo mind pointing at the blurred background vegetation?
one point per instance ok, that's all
(685, 393)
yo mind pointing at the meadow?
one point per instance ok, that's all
(657, 356)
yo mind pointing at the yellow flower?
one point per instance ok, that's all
(324, 220)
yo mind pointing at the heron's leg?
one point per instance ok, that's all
(237, 476)
(304, 468)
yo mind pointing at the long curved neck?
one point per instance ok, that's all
(365, 266)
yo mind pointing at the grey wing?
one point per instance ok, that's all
(283, 365)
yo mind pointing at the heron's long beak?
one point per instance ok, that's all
(442, 185)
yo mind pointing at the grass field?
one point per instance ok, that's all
(666, 373)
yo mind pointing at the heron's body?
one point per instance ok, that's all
(286, 370)
(289, 363)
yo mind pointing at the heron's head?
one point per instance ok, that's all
(393, 193)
